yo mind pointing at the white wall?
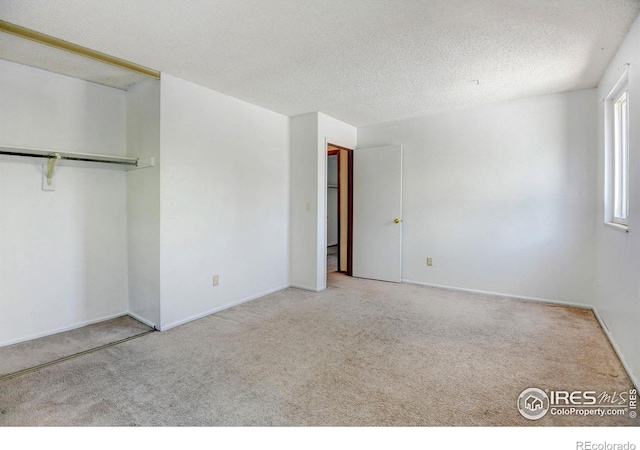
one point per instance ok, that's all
(143, 202)
(618, 252)
(224, 201)
(500, 196)
(310, 134)
(304, 202)
(63, 254)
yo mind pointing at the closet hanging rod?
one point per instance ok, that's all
(83, 157)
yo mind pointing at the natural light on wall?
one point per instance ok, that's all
(617, 154)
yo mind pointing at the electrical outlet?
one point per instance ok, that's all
(216, 280)
(429, 262)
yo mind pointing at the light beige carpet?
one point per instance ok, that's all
(332, 263)
(360, 353)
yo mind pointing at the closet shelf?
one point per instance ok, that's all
(116, 162)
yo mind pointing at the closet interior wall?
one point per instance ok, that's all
(143, 202)
(63, 254)
(332, 200)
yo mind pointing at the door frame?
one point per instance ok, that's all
(335, 150)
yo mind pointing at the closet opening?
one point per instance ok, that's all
(339, 209)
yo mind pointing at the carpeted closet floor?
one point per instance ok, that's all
(361, 352)
(37, 352)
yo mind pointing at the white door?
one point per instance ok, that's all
(377, 213)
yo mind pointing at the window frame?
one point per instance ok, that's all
(621, 158)
(617, 155)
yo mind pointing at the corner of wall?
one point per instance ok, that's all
(617, 252)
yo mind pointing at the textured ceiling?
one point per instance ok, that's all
(361, 61)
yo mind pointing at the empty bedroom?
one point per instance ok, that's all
(320, 214)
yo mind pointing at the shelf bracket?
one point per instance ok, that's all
(52, 159)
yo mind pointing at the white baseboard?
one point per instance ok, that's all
(218, 309)
(616, 348)
(61, 329)
(305, 288)
(500, 294)
(141, 319)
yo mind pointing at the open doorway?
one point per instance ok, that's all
(339, 209)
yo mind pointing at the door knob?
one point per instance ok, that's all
(396, 220)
